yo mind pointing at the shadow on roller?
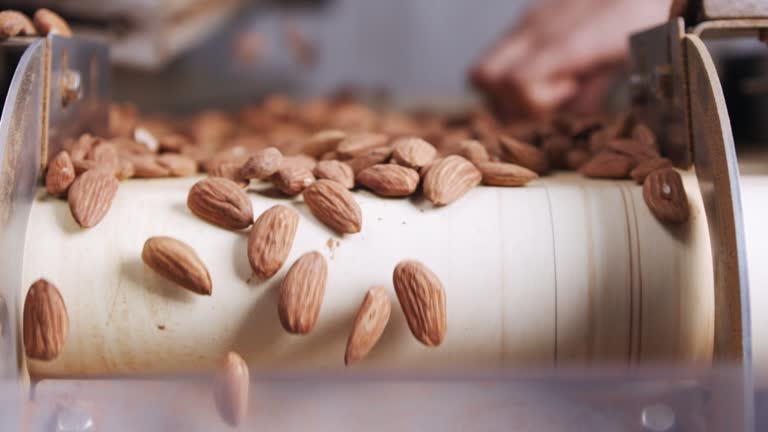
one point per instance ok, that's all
(240, 263)
(64, 217)
(134, 270)
(309, 217)
(261, 331)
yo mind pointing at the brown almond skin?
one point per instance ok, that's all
(229, 170)
(178, 262)
(90, 196)
(302, 292)
(664, 193)
(422, 298)
(105, 155)
(177, 165)
(413, 152)
(449, 179)
(173, 142)
(271, 239)
(46, 322)
(48, 22)
(337, 171)
(146, 166)
(221, 202)
(505, 174)
(524, 154)
(575, 158)
(82, 146)
(323, 142)
(389, 180)
(301, 160)
(335, 206)
(556, 147)
(262, 164)
(292, 179)
(637, 150)
(231, 388)
(60, 175)
(641, 171)
(125, 169)
(372, 157)
(14, 23)
(474, 151)
(608, 165)
(371, 320)
(358, 144)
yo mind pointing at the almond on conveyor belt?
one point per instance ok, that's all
(422, 298)
(335, 206)
(389, 180)
(449, 179)
(270, 240)
(371, 320)
(90, 196)
(301, 293)
(45, 321)
(178, 262)
(221, 202)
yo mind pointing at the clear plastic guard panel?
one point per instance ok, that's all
(557, 400)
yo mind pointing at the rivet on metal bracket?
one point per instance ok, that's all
(70, 86)
(658, 418)
(73, 417)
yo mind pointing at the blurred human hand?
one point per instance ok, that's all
(562, 51)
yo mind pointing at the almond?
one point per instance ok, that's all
(637, 150)
(323, 142)
(334, 205)
(177, 165)
(46, 323)
(505, 174)
(173, 142)
(177, 262)
(389, 180)
(262, 164)
(221, 202)
(82, 146)
(422, 298)
(556, 147)
(229, 170)
(105, 155)
(292, 180)
(125, 169)
(413, 152)
(48, 22)
(645, 136)
(146, 166)
(301, 293)
(575, 158)
(360, 143)
(300, 161)
(83, 165)
(608, 165)
(14, 23)
(337, 171)
(90, 196)
(271, 239)
(524, 154)
(371, 320)
(644, 168)
(474, 151)
(60, 175)
(370, 158)
(665, 196)
(231, 388)
(448, 180)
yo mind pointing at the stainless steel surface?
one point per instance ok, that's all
(737, 28)
(718, 176)
(659, 97)
(658, 418)
(720, 9)
(84, 64)
(20, 144)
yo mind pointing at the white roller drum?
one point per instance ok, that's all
(567, 271)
